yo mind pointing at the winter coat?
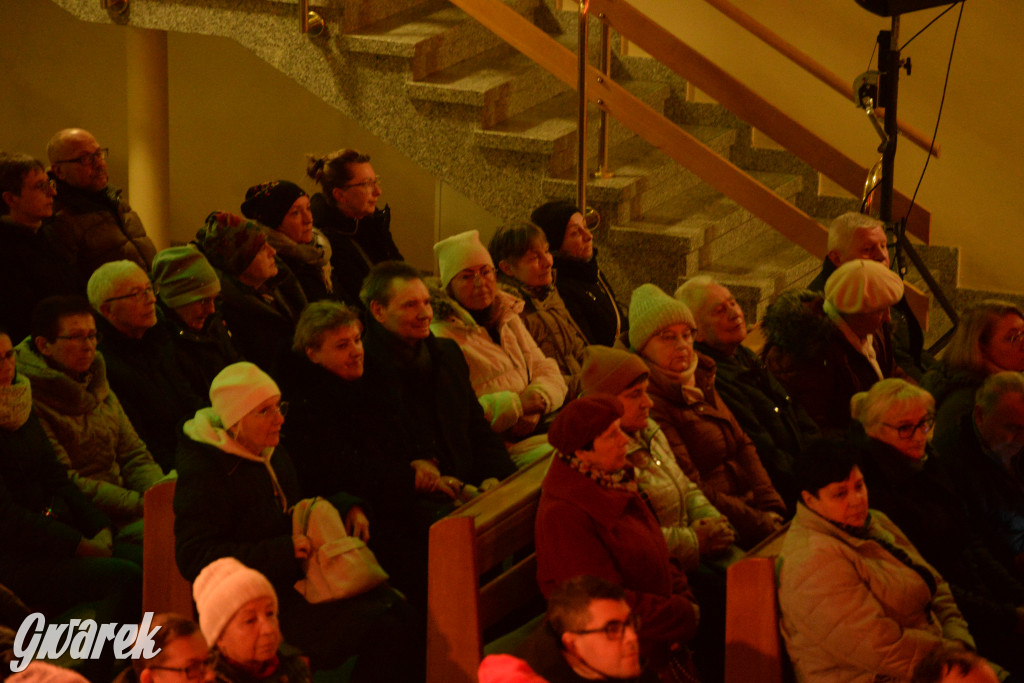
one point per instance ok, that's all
(32, 268)
(199, 355)
(155, 395)
(291, 668)
(310, 263)
(676, 501)
(590, 300)
(953, 391)
(43, 512)
(262, 321)
(764, 410)
(499, 373)
(357, 245)
(714, 453)
(94, 228)
(812, 358)
(851, 611)
(585, 528)
(91, 435)
(549, 323)
(428, 385)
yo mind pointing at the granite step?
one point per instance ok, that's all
(431, 37)
(357, 14)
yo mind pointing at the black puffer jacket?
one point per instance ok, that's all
(590, 300)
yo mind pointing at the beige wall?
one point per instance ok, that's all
(974, 189)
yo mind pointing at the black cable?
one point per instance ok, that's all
(938, 117)
(939, 16)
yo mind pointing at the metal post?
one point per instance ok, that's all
(581, 124)
(606, 66)
(889, 77)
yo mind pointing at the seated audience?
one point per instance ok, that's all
(591, 520)
(910, 484)
(581, 284)
(988, 339)
(346, 211)
(235, 487)
(953, 666)
(588, 634)
(826, 349)
(342, 437)
(260, 296)
(58, 549)
(709, 445)
(524, 270)
(516, 383)
(425, 379)
(284, 208)
(188, 291)
(858, 602)
(983, 452)
(181, 654)
(141, 366)
(92, 222)
(238, 614)
(762, 407)
(84, 421)
(31, 266)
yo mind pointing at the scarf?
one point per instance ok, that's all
(619, 479)
(15, 403)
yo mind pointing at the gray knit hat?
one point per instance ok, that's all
(223, 588)
(183, 275)
(651, 309)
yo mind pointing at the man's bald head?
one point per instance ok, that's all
(77, 159)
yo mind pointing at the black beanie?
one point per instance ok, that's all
(553, 219)
(268, 203)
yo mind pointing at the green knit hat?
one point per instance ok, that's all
(651, 309)
(229, 242)
(183, 275)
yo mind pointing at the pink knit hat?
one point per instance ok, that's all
(238, 389)
(223, 588)
(459, 252)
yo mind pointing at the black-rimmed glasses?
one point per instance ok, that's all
(89, 158)
(137, 294)
(94, 337)
(908, 431)
(615, 629)
(194, 671)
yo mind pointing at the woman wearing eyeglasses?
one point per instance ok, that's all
(182, 655)
(346, 211)
(236, 486)
(910, 484)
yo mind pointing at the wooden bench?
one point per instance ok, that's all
(164, 589)
(477, 541)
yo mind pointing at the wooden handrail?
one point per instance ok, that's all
(811, 66)
(749, 106)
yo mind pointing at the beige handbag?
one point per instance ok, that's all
(339, 566)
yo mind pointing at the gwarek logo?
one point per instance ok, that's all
(81, 639)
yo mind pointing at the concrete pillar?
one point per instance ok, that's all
(149, 181)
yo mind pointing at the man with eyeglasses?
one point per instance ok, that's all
(589, 633)
(31, 266)
(141, 365)
(92, 222)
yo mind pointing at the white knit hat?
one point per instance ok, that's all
(223, 588)
(459, 252)
(863, 286)
(238, 389)
(651, 309)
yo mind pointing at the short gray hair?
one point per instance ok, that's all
(104, 280)
(694, 292)
(870, 407)
(842, 229)
(997, 385)
(319, 318)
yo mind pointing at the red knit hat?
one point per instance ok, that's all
(582, 421)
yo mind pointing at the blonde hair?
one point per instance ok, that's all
(964, 351)
(870, 407)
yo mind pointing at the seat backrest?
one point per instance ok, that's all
(753, 645)
(466, 545)
(164, 589)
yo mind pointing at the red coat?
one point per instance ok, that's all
(585, 528)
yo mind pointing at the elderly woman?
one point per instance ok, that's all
(181, 655)
(708, 443)
(238, 612)
(858, 601)
(261, 297)
(524, 270)
(581, 284)
(910, 485)
(516, 383)
(988, 339)
(344, 436)
(235, 488)
(591, 520)
(284, 208)
(346, 210)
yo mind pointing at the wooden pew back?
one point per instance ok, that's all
(164, 589)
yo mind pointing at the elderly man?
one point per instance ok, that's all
(92, 222)
(777, 426)
(141, 366)
(589, 634)
(985, 454)
(426, 378)
(826, 349)
(31, 266)
(88, 429)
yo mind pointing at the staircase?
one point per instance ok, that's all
(448, 93)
